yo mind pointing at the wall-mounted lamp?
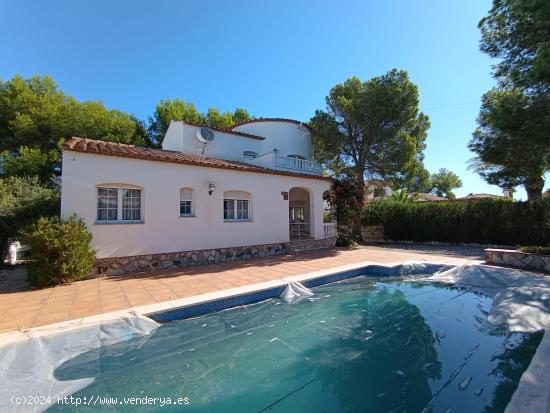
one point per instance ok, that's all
(211, 188)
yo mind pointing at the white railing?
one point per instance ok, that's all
(299, 230)
(296, 164)
(330, 230)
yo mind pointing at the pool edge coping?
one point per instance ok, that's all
(533, 392)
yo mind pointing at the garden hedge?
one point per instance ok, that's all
(491, 221)
(60, 251)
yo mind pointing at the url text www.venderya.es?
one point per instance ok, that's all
(102, 401)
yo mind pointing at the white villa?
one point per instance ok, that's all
(209, 195)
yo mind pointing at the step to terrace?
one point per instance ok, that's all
(308, 246)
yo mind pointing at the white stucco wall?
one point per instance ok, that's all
(163, 229)
(182, 137)
(288, 137)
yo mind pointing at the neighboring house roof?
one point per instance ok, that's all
(121, 150)
(297, 122)
(420, 197)
(230, 131)
(476, 197)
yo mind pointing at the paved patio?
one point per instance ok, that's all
(25, 309)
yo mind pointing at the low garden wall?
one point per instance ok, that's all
(517, 259)
(372, 233)
(171, 260)
(152, 262)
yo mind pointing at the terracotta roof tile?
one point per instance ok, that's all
(122, 150)
(477, 197)
(422, 197)
(378, 183)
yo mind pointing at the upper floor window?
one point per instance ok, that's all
(118, 204)
(186, 202)
(237, 206)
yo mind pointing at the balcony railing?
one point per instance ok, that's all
(296, 164)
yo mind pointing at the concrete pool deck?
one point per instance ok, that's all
(33, 308)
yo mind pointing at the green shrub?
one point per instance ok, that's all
(346, 201)
(60, 251)
(536, 250)
(22, 201)
(492, 221)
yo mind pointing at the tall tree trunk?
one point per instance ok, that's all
(534, 187)
(360, 197)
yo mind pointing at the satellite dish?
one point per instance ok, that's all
(205, 135)
(250, 154)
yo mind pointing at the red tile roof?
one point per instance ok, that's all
(121, 150)
(477, 197)
(421, 197)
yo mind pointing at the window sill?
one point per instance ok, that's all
(188, 216)
(238, 220)
(117, 222)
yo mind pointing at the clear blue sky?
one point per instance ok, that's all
(275, 58)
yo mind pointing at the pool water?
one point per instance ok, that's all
(361, 345)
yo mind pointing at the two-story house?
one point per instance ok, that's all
(208, 195)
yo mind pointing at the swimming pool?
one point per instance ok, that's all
(358, 345)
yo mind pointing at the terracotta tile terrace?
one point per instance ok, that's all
(33, 308)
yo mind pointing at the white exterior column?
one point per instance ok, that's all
(317, 213)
